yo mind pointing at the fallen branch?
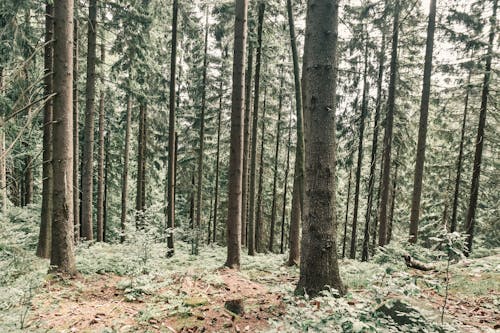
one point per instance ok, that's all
(417, 264)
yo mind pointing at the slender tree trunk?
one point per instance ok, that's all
(62, 257)
(319, 263)
(276, 159)
(373, 160)
(364, 112)
(377, 204)
(201, 150)
(28, 177)
(382, 233)
(253, 163)
(393, 197)
(106, 183)
(453, 226)
(88, 146)
(171, 136)
(100, 166)
(470, 222)
(259, 230)
(285, 191)
(126, 153)
(3, 170)
(209, 225)
(76, 137)
(344, 241)
(44, 238)
(217, 163)
(298, 181)
(422, 128)
(246, 145)
(237, 129)
(141, 166)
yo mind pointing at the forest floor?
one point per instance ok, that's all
(134, 288)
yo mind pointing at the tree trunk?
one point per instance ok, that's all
(237, 129)
(106, 182)
(76, 136)
(259, 226)
(393, 197)
(253, 164)
(217, 158)
(62, 255)
(364, 112)
(88, 145)
(453, 226)
(276, 159)
(28, 177)
(319, 264)
(126, 153)
(246, 145)
(140, 202)
(346, 212)
(44, 238)
(373, 160)
(201, 150)
(285, 192)
(171, 137)
(298, 181)
(100, 164)
(377, 204)
(389, 122)
(470, 222)
(422, 128)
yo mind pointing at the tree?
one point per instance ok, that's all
(470, 221)
(237, 128)
(100, 166)
(62, 257)
(44, 238)
(126, 154)
(171, 136)
(76, 136)
(422, 128)
(318, 265)
(389, 122)
(140, 199)
(88, 145)
(285, 189)
(346, 212)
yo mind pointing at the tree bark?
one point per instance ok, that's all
(393, 197)
(44, 238)
(470, 222)
(76, 136)
(346, 212)
(253, 164)
(319, 264)
(126, 154)
(62, 255)
(389, 122)
(237, 129)
(171, 136)
(259, 226)
(217, 158)
(88, 145)
(100, 164)
(422, 128)
(140, 204)
(285, 192)
(298, 180)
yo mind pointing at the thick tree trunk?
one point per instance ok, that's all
(344, 238)
(76, 136)
(285, 193)
(62, 255)
(422, 128)
(276, 159)
(298, 181)
(100, 164)
(237, 129)
(470, 222)
(253, 165)
(44, 238)
(319, 264)
(199, 190)
(373, 160)
(364, 112)
(453, 226)
(88, 146)
(126, 154)
(246, 145)
(389, 122)
(171, 136)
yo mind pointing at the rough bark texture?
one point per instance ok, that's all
(319, 264)
(298, 180)
(373, 160)
(237, 129)
(62, 255)
(100, 164)
(453, 226)
(389, 122)
(344, 241)
(171, 136)
(44, 238)
(88, 145)
(252, 218)
(126, 154)
(470, 221)
(76, 136)
(422, 128)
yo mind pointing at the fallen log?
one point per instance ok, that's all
(417, 264)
